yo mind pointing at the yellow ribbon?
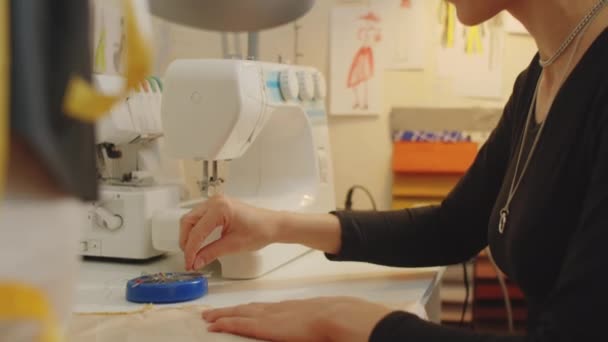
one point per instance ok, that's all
(474, 40)
(25, 303)
(450, 25)
(99, 64)
(83, 102)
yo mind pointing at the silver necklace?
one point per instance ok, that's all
(577, 30)
(515, 181)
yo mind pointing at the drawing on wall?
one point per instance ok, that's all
(470, 57)
(109, 38)
(356, 60)
(405, 24)
(119, 48)
(362, 66)
(99, 64)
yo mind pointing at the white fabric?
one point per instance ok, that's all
(39, 247)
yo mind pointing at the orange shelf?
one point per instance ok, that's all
(423, 185)
(433, 157)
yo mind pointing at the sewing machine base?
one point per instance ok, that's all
(134, 207)
(255, 264)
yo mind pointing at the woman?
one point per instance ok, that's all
(537, 194)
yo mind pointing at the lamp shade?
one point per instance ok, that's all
(230, 15)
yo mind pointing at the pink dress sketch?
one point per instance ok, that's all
(362, 67)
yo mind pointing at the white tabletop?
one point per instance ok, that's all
(102, 284)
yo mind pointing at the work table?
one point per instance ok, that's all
(101, 286)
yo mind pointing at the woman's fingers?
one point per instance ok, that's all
(243, 311)
(256, 309)
(197, 236)
(188, 221)
(242, 326)
(214, 250)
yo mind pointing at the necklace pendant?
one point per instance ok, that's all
(502, 222)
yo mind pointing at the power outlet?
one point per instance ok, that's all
(90, 247)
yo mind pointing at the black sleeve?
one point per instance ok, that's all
(446, 234)
(575, 307)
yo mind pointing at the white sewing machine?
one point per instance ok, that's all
(260, 130)
(136, 177)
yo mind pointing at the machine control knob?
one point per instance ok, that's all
(320, 86)
(307, 85)
(107, 219)
(288, 81)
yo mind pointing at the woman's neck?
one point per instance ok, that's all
(550, 22)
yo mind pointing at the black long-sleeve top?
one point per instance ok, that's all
(555, 245)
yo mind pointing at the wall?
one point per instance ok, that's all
(356, 160)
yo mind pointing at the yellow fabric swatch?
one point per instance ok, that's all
(25, 303)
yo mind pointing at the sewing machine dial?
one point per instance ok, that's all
(289, 84)
(307, 85)
(320, 86)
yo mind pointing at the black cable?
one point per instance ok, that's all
(348, 203)
(467, 293)
(505, 292)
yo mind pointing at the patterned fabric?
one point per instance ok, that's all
(432, 136)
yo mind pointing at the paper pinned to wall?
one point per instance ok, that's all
(108, 38)
(471, 57)
(356, 61)
(163, 39)
(406, 25)
(512, 25)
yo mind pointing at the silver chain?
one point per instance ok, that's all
(577, 30)
(515, 181)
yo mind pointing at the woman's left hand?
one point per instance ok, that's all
(319, 319)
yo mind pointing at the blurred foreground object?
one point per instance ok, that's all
(231, 15)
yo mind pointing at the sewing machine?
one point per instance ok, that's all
(136, 176)
(260, 130)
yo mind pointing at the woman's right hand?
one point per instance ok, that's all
(245, 228)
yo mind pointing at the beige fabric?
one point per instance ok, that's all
(155, 324)
(151, 324)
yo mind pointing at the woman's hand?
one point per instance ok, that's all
(319, 319)
(245, 228)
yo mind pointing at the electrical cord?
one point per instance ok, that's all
(505, 292)
(348, 203)
(467, 293)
